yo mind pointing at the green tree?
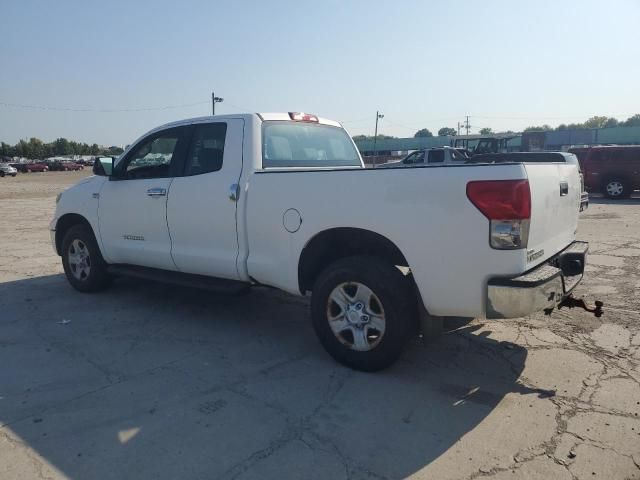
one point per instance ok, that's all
(543, 128)
(633, 121)
(36, 148)
(114, 151)
(447, 132)
(596, 122)
(486, 131)
(61, 146)
(423, 133)
(6, 150)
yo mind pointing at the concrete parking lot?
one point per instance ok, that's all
(147, 381)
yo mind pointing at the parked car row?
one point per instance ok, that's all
(11, 169)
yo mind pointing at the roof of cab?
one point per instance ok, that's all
(261, 116)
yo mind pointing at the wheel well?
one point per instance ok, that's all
(337, 243)
(63, 225)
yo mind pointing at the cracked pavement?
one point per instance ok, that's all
(152, 381)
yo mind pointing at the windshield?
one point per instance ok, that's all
(296, 144)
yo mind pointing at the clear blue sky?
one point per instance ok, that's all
(423, 64)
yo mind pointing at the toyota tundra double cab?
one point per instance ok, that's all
(229, 202)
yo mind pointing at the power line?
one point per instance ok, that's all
(98, 110)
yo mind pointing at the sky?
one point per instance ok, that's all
(106, 72)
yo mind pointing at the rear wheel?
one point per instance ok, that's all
(82, 261)
(616, 188)
(363, 311)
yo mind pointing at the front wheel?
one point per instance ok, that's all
(363, 311)
(82, 261)
(1, 174)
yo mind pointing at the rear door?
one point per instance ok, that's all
(201, 210)
(555, 203)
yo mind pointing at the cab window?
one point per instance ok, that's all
(436, 156)
(207, 149)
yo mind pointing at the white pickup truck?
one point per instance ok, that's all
(284, 200)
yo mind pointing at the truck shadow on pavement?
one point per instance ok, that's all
(153, 381)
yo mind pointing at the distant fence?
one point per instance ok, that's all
(552, 140)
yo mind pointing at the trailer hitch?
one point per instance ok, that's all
(571, 302)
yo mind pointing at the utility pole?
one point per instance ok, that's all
(375, 136)
(458, 128)
(467, 126)
(215, 100)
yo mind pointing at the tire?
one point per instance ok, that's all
(391, 307)
(88, 273)
(13, 174)
(616, 188)
(1, 174)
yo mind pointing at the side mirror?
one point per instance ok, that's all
(103, 166)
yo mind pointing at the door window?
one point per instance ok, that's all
(207, 149)
(153, 156)
(415, 157)
(457, 156)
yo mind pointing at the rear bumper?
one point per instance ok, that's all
(539, 289)
(584, 201)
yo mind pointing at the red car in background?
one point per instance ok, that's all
(72, 166)
(35, 167)
(612, 170)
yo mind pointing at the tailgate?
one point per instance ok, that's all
(555, 203)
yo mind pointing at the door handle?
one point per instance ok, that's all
(564, 189)
(234, 192)
(157, 192)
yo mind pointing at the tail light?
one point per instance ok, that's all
(303, 117)
(507, 205)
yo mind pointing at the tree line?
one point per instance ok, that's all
(593, 122)
(35, 148)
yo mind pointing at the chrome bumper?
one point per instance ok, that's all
(584, 201)
(539, 289)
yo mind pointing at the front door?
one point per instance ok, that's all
(132, 207)
(201, 210)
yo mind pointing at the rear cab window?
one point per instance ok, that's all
(289, 144)
(436, 156)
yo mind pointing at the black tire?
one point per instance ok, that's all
(97, 278)
(13, 174)
(1, 174)
(395, 293)
(616, 188)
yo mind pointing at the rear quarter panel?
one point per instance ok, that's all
(424, 211)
